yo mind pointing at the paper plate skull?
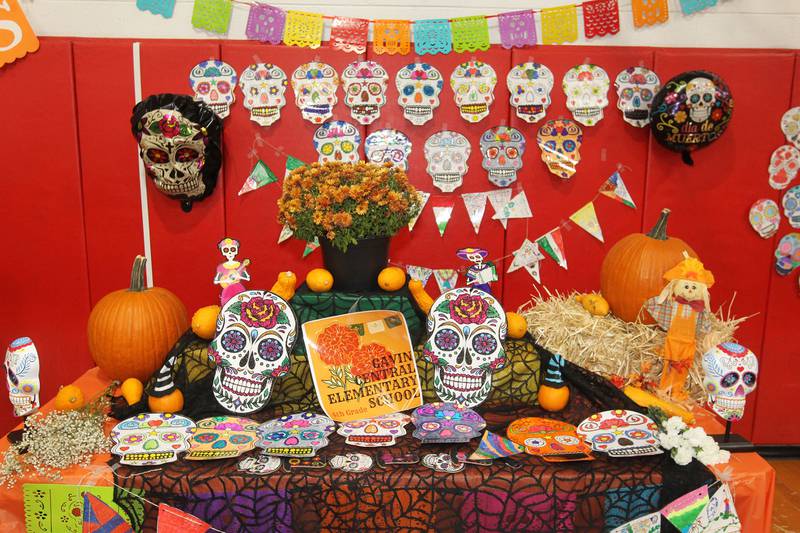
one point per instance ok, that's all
(264, 89)
(783, 166)
(731, 372)
(352, 462)
(151, 438)
(636, 88)
(586, 87)
(374, 432)
(447, 153)
(388, 146)
(552, 440)
(790, 126)
(418, 87)
(256, 331)
(787, 254)
(337, 140)
(441, 422)
(297, 435)
(22, 376)
(560, 142)
(222, 437)
(314, 87)
(365, 85)
(473, 88)
(214, 84)
(765, 217)
(529, 85)
(791, 206)
(502, 148)
(621, 433)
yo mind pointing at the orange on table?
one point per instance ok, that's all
(132, 390)
(392, 279)
(170, 403)
(69, 398)
(319, 280)
(517, 325)
(204, 321)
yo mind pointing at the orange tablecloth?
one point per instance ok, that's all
(751, 478)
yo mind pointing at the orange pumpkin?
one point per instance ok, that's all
(169, 403)
(634, 267)
(131, 330)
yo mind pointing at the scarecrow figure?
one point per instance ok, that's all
(683, 311)
(481, 273)
(231, 273)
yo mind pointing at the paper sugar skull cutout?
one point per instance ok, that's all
(502, 148)
(636, 88)
(337, 140)
(374, 432)
(214, 84)
(22, 376)
(447, 153)
(731, 372)
(297, 435)
(231, 273)
(441, 422)
(264, 89)
(388, 146)
(552, 440)
(466, 328)
(765, 217)
(473, 87)
(261, 464)
(791, 206)
(179, 143)
(529, 85)
(222, 437)
(787, 254)
(151, 438)
(364, 84)
(314, 87)
(586, 87)
(621, 433)
(256, 331)
(560, 142)
(352, 462)
(442, 462)
(418, 88)
(790, 126)
(783, 166)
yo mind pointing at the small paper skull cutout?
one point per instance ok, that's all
(441, 422)
(765, 217)
(151, 438)
(314, 87)
(473, 88)
(22, 376)
(214, 83)
(621, 433)
(365, 85)
(731, 371)
(374, 432)
(261, 464)
(297, 435)
(352, 462)
(447, 153)
(442, 462)
(560, 142)
(529, 85)
(337, 140)
(256, 331)
(222, 437)
(264, 89)
(636, 88)
(586, 87)
(418, 88)
(787, 254)
(502, 148)
(388, 146)
(783, 166)
(790, 126)
(791, 206)
(552, 440)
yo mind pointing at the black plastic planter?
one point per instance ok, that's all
(356, 269)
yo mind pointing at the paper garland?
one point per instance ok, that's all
(475, 203)
(498, 198)
(470, 34)
(286, 232)
(586, 219)
(310, 247)
(442, 214)
(391, 36)
(517, 207)
(165, 8)
(682, 512)
(303, 29)
(265, 23)
(173, 520)
(649, 12)
(615, 188)
(517, 29)
(600, 18)
(559, 25)
(553, 243)
(260, 175)
(424, 196)
(446, 278)
(349, 34)
(212, 15)
(419, 273)
(432, 37)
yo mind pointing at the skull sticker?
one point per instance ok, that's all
(214, 84)
(790, 126)
(255, 334)
(365, 85)
(352, 462)
(586, 87)
(442, 462)
(791, 206)
(447, 153)
(529, 85)
(390, 146)
(337, 140)
(552, 440)
(502, 148)
(151, 438)
(314, 87)
(783, 166)
(297, 435)
(731, 371)
(787, 254)
(560, 142)
(222, 437)
(700, 97)
(621, 433)
(441, 422)
(765, 218)
(418, 87)
(473, 86)
(636, 88)
(373, 432)
(22, 376)
(264, 89)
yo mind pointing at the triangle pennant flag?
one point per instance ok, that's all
(533, 270)
(260, 175)
(423, 197)
(649, 523)
(553, 244)
(498, 198)
(719, 515)
(475, 202)
(527, 254)
(173, 520)
(517, 207)
(615, 188)
(310, 247)
(586, 218)
(495, 446)
(286, 232)
(421, 274)
(99, 517)
(442, 215)
(292, 163)
(682, 512)
(446, 278)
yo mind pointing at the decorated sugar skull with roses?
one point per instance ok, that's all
(467, 328)
(214, 83)
(296, 435)
(314, 87)
(255, 334)
(365, 85)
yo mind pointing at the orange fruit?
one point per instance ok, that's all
(517, 325)
(391, 279)
(553, 399)
(171, 403)
(132, 390)
(69, 398)
(319, 280)
(204, 321)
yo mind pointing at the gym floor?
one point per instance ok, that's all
(786, 509)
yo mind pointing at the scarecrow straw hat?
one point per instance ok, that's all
(690, 268)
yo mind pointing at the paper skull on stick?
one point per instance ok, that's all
(731, 371)
(22, 376)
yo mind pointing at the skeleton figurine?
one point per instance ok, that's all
(481, 273)
(365, 85)
(22, 376)
(731, 371)
(447, 153)
(473, 86)
(214, 84)
(700, 97)
(264, 88)
(636, 88)
(502, 148)
(683, 311)
(231, 273)
(418, 88)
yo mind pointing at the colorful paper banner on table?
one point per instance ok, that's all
(517, 29)
(260, 175)
(303, 29)
(165, 8)
(265, 23)
(419, 273)
(53, 507)
(553, 243)
(212, 15)
(22, 38)
(586, 219)
(475, 203)
(424, 196)
(615, 188)
(349, 34)
(442, 214)
(446, 278)
(173, 520)
(432, 36)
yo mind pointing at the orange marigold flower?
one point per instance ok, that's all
(369, 360)
(336, 344)
(361, 209)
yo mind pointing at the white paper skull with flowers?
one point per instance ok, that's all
(352, 462)
(365, 85)
(790, 126)
(337, 140)
(151, 438)
(621, 433)
(214, 83)
(791, 206)
(296, 435)
(731, 371)
(22, 376)
(529, 85)
(560, 142)
(783, 166)
(314, 87)
(388, 146)
(264, 89)
(502, 148)
(636, 88)
(222, 437)
(586, 87)
(765, 217)
(374, 432)
(787, 254)
(447, 153)
(418, 87)
(473, 87)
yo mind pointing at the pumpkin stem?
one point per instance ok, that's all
(659, 231)
(137, 274)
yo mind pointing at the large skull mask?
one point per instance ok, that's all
(255, 334)
(151, 438)
(731, 371)
(447, 153)
(441, 422)
(473, 86)
(530, 85)
(791, 206)
(314, 87)
(22, 376)
(297, 435)
(467, 328)
(418, 87)
(700, 97)
(373, 432)
(214, 83)
(222, 437)
(502, 148)
(636, 88)
(560, 142)
(264, 89)
(337, 140)
(365, 85)
(621, 433)
(390, 146)
(586, 87)
(790, 126)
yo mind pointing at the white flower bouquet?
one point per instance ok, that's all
(687, 443)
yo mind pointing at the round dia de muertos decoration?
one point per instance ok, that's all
(222, 437)
(297, 435)
(214, 84)
(418, 87)
(731, 372)
(443, 422)
(151, 438)
(374, 432)
(264, 88)
(621, 433)
(314, 87)
(364, 84)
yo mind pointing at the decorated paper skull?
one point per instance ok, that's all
(636, 88)
(447, 153)
(790, 126)
(787, 254)
(222, 437)
(765, 217)
(783, 166)
(352, 462)
(297, 435)
(418, 87)
(552, 440)
(621, 433)
(700, 97)
(586, 87)
(373, 432)
(473, 86)
(264, 89)
(529, 85)
(502, 148)
(441, 422)
(791, 206)
(214, 83)
(260, 464)
(365, 85)
(388, 146)
(314, 87)
(731, 371)
(442, 462)
(467, 327)
(337, 140)
(151, 438)
(22, 376)
(255, 334)
(560, 142)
